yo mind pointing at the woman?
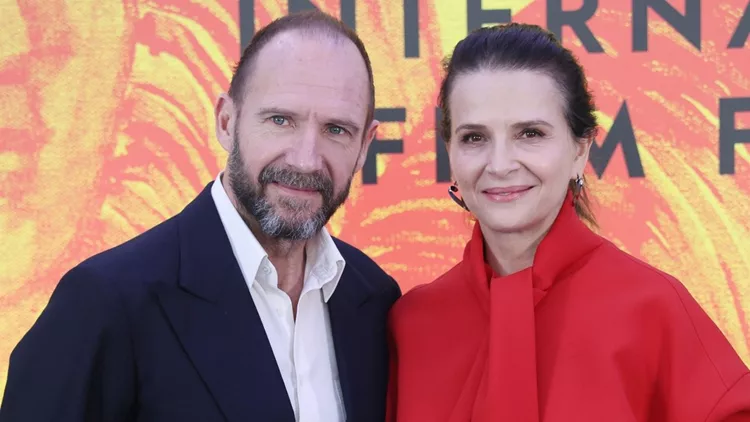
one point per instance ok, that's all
(543, 320)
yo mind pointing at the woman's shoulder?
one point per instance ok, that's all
(641, 284)
(670, 307)
(615, 265)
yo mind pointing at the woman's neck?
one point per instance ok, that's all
(511, 252)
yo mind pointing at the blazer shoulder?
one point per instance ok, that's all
(366, 266)
(105, 287)
(151, 254)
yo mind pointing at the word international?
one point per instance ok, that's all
(687, 24)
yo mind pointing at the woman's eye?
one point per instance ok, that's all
(531, 133)
(471, 138)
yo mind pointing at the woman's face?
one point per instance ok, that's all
(511, 151)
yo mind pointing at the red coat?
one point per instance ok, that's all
(588, 333)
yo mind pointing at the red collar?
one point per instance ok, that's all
(559, 252)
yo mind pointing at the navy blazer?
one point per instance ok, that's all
(163, 328)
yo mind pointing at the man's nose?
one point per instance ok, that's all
(305, 154)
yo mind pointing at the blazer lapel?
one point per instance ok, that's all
(346, 328)
(217, 323)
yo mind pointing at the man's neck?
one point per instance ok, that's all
(287, 256)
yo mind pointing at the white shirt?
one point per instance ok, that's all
(303, 349)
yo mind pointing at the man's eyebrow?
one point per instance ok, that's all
(346, 124)
(276, 110)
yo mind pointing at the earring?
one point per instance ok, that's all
(452, 190)
(579, 183)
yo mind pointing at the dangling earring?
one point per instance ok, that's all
(452, 190)
(579, 188)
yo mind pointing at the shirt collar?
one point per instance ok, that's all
(324, 264)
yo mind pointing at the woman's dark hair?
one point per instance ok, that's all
(518, 46)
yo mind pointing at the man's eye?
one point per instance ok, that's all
(279, 120)
(336, 130)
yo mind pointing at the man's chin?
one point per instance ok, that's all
(296, 215)
(292, 231)
(296, 208)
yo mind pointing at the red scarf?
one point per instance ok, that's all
(502, 384)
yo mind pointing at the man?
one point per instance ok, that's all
(242, 307)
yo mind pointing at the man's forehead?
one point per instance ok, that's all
(293, 36)
(305, 45)
(323, 68)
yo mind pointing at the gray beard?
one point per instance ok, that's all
(254, 202)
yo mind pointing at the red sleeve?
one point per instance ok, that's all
(734, 406)
(705, 375)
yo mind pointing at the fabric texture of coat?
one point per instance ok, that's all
(587, 333)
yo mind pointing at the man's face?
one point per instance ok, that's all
(299, 136)
(294, 217)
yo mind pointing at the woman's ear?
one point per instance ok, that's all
(582, 149)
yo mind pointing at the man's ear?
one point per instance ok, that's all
(366, 142)
(225, 113)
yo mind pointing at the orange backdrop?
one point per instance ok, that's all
(106, 129)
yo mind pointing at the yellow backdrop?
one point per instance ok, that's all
(106, 129)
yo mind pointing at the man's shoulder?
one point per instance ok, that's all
(365, 265)
(151, 253)
(356, 258)
(157, 249)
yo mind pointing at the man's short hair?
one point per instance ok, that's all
(313, 21)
